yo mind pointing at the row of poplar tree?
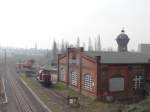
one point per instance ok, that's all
(61, 48)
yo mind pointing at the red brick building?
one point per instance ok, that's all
(104, 75)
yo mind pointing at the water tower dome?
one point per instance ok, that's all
(122, 41)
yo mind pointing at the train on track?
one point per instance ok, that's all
(47, 75)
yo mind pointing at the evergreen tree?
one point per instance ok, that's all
(95, 44)
(110, 49)
(83, 44)
(54, 53)
(78, 42)
(66, 45)
(35, 46)
(98, 43)
(90, 45)
(62, 46)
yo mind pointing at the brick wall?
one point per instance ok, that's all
(82, 65)
(63, 64)
(89, 67)
(128, 72)
(76, 61)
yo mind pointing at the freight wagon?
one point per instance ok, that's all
(25, 66)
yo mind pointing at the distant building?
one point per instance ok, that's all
(144, 48)
(105, 75)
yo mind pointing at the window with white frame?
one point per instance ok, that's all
(74, 78)
(88, 82)
(62, 74)
(138, 82)
(116, 84)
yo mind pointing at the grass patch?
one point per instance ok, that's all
(59, 86)
(66, 91)
(86, 104)
(143, 106)
(36, 87)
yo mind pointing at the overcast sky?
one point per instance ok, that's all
(26, 22)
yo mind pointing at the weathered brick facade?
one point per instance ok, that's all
(90, 76)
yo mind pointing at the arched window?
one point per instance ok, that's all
(88, 82)
(138, 81)
(73, 78)
(116, 84)
(62, 74)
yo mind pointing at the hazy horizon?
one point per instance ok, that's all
(24, 23)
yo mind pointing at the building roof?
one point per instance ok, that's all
(49, 67)
(120, 57)
(144, 48)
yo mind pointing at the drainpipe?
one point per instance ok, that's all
(58, 67)
(98, 78)
(68, 51)
(81, 50)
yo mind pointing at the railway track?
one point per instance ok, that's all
(57, 98)
(22, 101)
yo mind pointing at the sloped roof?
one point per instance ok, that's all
(120, 57)
(49, 67)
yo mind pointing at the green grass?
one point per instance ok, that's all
(34, 85)
(59, 86)
(64, 90)
(86, 104)
(143, 106)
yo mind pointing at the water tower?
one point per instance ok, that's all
(122, 41)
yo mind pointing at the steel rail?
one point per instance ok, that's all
(16, 98)
(23, 103)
